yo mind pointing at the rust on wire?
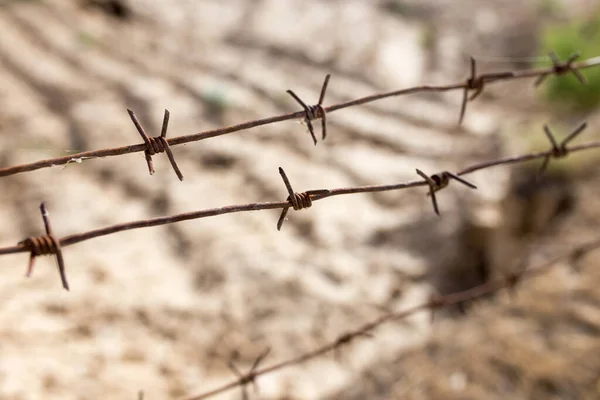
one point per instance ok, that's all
(436, 302)
(158, 144)
(314, 112)
(439, 181)
(475, 84)
(298, 201)
(561, 68)
(45, 245)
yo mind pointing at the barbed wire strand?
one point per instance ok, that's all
(151, 145)
(472, 87)
(296, 200)
(436, 302)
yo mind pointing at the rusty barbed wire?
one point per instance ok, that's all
(158, 144)
(49, 244)
(477, 84)
(436, 302)
(45, 245)
(439, 181)
(316, 111)
(561, 68)
(151, 145)
(558, 151)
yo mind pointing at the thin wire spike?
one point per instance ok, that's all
(432, 187)
(543, 167)
(478, 91)
(540, 79)
(550, 137)
(165, 125)
(461, 180)
(324, 124)
(324, 89)
(463, 107)
(287, 183)
(574, 134)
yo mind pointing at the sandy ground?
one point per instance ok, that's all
(164, 309)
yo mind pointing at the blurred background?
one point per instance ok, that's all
(165, 309)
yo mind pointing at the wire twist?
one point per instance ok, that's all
(158, 144)
(477, 84)
(558, 150)
(473, 83)
(41, 245)
(438, 182)
(298, 201)
(560, 68)
(45, 245)
(314, 112)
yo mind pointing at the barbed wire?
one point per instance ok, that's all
(435, 303)
(472, 87)
(50, 245)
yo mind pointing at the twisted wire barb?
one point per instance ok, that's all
(297, 201)
(477, 84)
(316, 111)
(250, 378)
(436, 302)
(438, 182)
(45, 245)
(157, 144)
(559, 151)
(561, 68)
(474, 83)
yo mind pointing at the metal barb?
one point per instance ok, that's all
(211, 133)
(473, 83)
(45, 245)
(298, 201)
(157, 144)
(432, 190)
(561, 68)
(314, 112)
(439, 181)
(558, 150)
(250, 377)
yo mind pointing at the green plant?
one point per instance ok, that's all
(564, 40)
